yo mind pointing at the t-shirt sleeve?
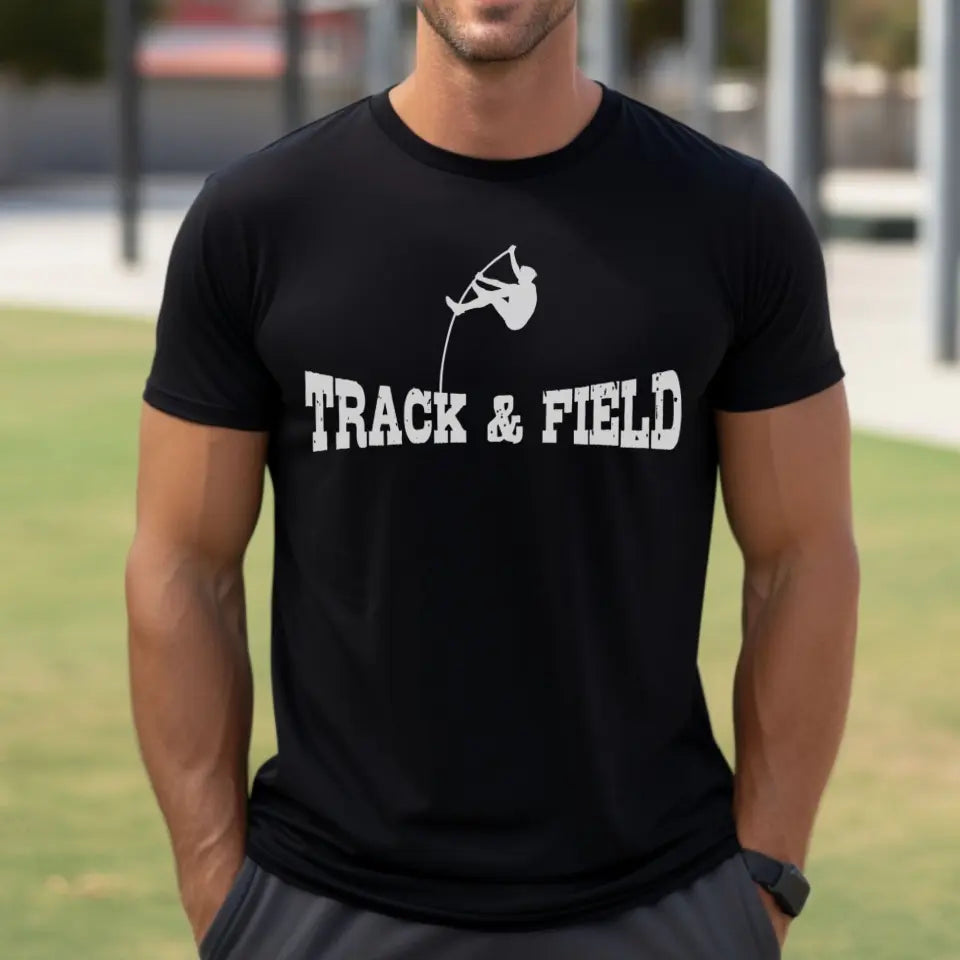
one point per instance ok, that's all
(206, 367)
(782, 348)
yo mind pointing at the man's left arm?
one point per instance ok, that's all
(495, 284)
(785, 474)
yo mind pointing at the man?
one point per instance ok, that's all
(515, 302)
(492, 737)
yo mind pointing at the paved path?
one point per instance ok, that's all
(877, 300)
(58, 244)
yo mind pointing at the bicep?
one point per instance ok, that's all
(785, 475)
(199, 487)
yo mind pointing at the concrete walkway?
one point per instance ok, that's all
(58, 248)
(884, 339)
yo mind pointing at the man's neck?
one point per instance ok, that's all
(498, 111)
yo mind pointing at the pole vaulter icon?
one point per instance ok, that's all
(515, 302)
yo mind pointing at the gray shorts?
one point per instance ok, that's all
(718, 917)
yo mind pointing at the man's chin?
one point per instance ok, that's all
(489, 43)
(492, 31)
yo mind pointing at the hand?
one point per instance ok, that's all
(203, 896)
(780, 920)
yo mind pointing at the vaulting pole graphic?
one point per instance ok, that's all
(515, 302)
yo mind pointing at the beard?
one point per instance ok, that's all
(499, 34)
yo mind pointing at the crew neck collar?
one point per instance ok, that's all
(424, 151)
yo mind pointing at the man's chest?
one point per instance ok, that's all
(493, 299)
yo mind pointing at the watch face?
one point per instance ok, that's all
(792, 890)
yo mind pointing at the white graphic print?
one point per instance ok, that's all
(612, 413)
(515, 302)
(608, 414)
(505, 424)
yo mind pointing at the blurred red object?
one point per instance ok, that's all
(240, 12)
(240, 38)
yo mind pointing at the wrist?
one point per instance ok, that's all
(767, 833)
(204, 884)
(202, 902)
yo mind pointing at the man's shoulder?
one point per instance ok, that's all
(301, 159)
(686, 155)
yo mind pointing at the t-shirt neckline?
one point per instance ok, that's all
(424, 151)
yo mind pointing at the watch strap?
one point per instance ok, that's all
(765, 870)
(784, 881)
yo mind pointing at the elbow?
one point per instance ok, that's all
(157, 581)
(824, 569)
(844, 573)
(135, 573)
(166, 583)
(853, 576)
(831, 568)
(853, 566)
(146, 572)
(148, 564)
(844, 565)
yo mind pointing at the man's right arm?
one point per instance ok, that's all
(198, 499)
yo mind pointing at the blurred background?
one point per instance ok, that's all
(111, 114)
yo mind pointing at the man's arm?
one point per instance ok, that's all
(513, 260)
(496, 284)
(786, 485)
(198, 500)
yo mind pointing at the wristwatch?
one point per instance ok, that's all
(784, 881)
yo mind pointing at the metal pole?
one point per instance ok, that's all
(795, 100)
(383, 44)
(941, 153)
(126, 82)
(604, 30)
(293, 93)
(702, 25)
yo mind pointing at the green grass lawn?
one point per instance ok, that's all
(84, 865)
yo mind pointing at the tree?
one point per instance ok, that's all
(655, 23)
(55, 38)
(884, 32)
(744, 43)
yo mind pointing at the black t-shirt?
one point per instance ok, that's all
(490, 389)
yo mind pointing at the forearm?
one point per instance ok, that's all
(792, 691)
(192, 703)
